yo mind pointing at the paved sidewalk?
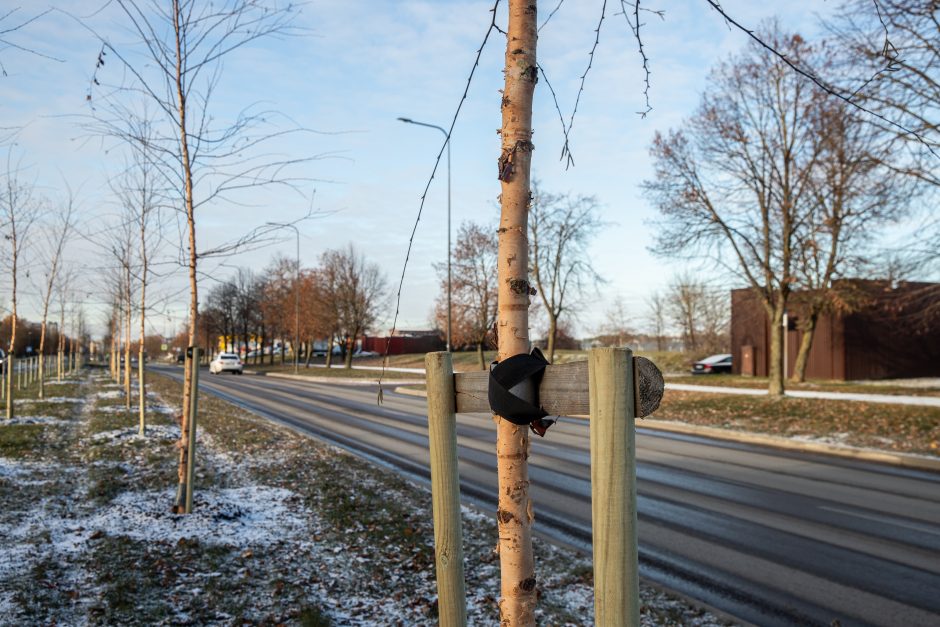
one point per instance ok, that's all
(891, 399)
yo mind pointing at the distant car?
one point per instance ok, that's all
(321, 352)
(181, 358)
(365, 354)
(226, 362)
(716, 364)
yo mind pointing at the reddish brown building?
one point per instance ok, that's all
(404, 342)
(893, 332)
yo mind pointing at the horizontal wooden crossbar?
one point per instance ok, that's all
(564, 389)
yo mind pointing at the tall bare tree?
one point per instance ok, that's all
(560, 230)
(615, 330)
(700, 313)
(139, 197)
(473, 287)
(51, 251)
(176, 66)
(854, 193)
(735, 181)
(358, 292)
(656, 315)
(18, 212)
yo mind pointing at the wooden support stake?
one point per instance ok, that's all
(613, 487)
(564, 389)
(191, 434)
(445, 490)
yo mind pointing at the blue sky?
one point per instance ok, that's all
(364, 63)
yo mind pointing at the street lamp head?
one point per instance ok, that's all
(409, 120)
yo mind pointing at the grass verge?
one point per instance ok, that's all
(740, 381)
(901, 428)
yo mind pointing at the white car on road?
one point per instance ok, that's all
(226, 362)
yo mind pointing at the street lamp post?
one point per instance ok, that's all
(296, 295)
(447, 138)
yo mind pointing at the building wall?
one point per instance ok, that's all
(398, 345)
(895, 334)
(748, 328)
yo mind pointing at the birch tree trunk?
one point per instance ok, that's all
(42, 358)
(184, 444)
(141, 381)
(127, 345)
(518, 584)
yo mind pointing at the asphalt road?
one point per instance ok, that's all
(770, 537)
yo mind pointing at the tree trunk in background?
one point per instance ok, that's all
(517, 568)
(329, 352)
(127, 349)
(347, 358)
(552, 332)
(11, 357)
(480, 358)
(42, 359)
(141, 377)
(309, 353)
(775, 384)
(806, 343)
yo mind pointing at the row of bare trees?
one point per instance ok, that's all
(38, 231)
(339, 300)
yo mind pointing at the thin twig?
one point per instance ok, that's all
(566, 151)
(832, 91)
(551, 15)
(561, 117)
(424, 195)
(635, 28)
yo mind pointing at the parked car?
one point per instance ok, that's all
(226, 362)
(716, 364)
(181, 358)
(321, 352)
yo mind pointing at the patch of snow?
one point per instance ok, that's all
(832, 438)
(32, 420)
(166, 432)
(51, 399)
(109, 394)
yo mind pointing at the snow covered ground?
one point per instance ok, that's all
(284, 530)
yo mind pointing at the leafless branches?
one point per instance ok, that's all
(826, 86)
(10, 24)
(437, 161)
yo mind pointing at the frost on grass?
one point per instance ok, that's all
(31, 420)
(284, 530)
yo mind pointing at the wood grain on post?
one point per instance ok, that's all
(445, 490)
(613, 488)
(564, 389)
